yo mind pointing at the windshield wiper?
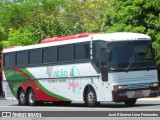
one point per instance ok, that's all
(129, 66)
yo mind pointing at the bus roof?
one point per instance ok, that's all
(110, 37)
(122, 36)
(69, 37)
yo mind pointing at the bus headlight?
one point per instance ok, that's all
(154, 84)
(120, 87)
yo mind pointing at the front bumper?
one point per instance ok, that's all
(122, 95)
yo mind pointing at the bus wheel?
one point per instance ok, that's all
(130, 102)
(31, 97)
(22, 98)
(91, 98)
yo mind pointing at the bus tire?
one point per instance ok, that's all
(130, 102)
(31, 97)
(22, 98)
(91, 98)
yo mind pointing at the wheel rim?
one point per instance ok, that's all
(31, 97)
(22, 97)
(91, 97)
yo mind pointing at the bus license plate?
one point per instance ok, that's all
(135, 94)
(138, 93)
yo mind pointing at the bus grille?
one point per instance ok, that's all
(140, 85)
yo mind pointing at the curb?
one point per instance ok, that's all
(154, 98)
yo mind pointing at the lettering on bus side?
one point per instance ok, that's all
(74, 83)
(56, 74)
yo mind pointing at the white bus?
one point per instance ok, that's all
(88, 67)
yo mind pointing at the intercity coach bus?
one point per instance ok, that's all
(87, 67)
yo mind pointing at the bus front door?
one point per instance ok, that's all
(104, 74)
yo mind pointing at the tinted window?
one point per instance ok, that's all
(22, 58)
(82, 51)
(9, 59)
(96, 53)
(49, 55)
(6, 60)
(35, 56)
(65, 53)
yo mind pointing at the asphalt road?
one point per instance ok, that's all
(141, 105)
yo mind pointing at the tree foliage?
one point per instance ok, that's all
(49, 18)
(19, 37)
(24, 22)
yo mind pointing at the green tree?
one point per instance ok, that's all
(49, 18)
(45, 27)
(69, 17)
(15, 13)
(85, 16)
(18, 37)
(2, 32)
(18, 14)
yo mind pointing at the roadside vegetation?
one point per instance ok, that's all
(25, 22)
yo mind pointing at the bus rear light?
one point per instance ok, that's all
(120, 87)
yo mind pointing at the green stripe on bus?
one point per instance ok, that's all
(11, 75)
(43, 88)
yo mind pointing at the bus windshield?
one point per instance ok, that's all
(131, 54)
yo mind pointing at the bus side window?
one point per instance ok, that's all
(9, 60)
(104, 64)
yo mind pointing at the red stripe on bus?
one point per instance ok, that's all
(40, 94)
(22, 72)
